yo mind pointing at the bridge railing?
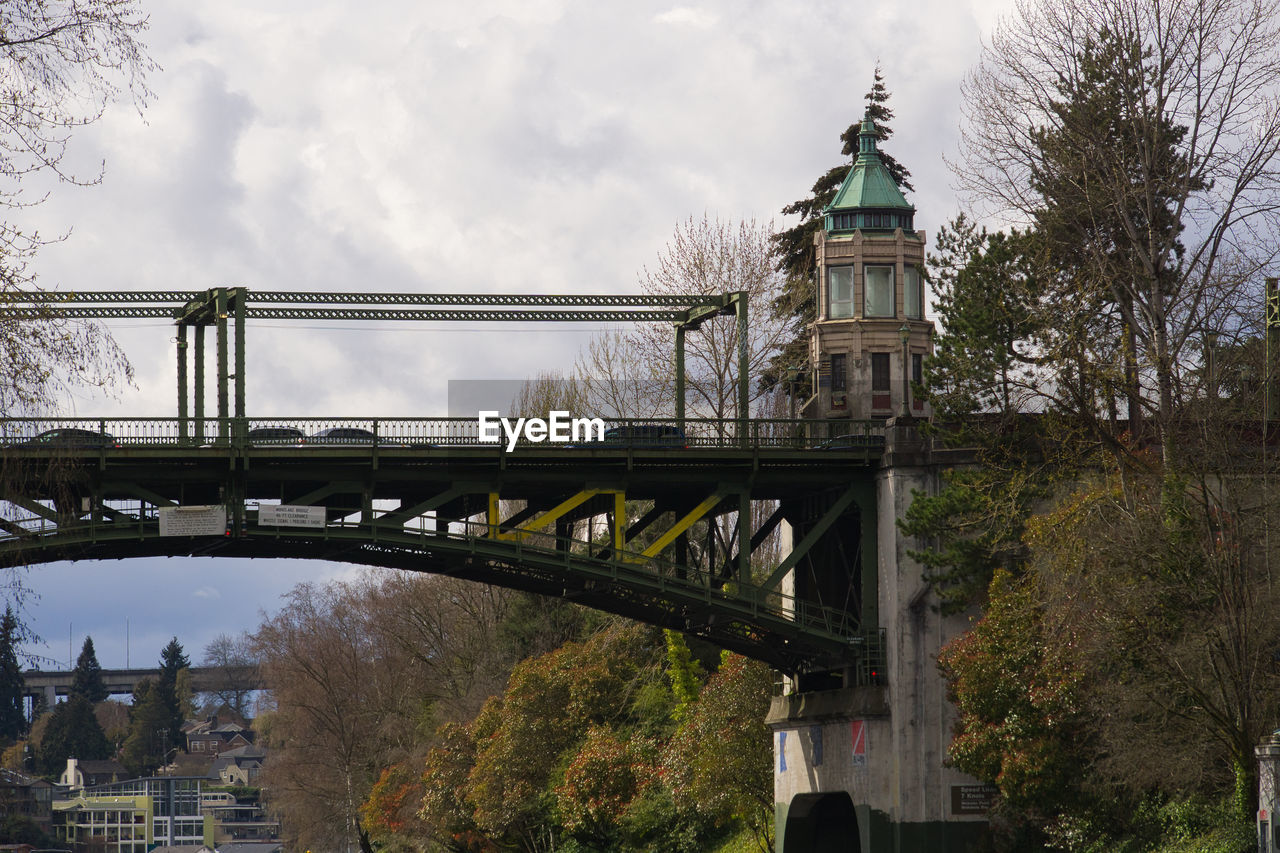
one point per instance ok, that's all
(632, 433)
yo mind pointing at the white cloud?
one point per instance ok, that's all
(685, 16)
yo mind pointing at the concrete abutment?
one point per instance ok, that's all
(863, 767)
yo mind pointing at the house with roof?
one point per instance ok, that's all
(239, 766)
(88, 774)
(214, 735)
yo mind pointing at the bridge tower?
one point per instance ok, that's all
(859, 756)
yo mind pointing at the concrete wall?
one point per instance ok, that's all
(904, 797)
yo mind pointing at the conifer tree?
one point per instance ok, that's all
(73, 732)
(172, 661)
(87, 681)
(148, 743)
(13, 723)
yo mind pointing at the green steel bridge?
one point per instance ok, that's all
(684, 536)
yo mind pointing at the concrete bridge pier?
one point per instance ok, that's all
(859, 766)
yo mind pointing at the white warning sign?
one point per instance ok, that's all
(287, 515)
(193, 520)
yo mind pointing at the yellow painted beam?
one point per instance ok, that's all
(541, 521)
(619, 521)
(493, 518)
(682, 525)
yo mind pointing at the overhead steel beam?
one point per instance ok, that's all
(811, 538)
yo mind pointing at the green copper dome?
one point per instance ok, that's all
(868, 199)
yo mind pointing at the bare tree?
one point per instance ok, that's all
(234, 678)
(356, 671)
(616, 380)
(708, 256)
(632, 373)
(61, 63)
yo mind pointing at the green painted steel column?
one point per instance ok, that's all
(241, 428)
(744, 379)
(744, 537)
(680, 374)
(184, 428)
(870, 557)
(223, 408)
(199, 394)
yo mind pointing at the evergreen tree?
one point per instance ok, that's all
(147, 746)
(793, 248)
(878, 111)
(172, 661)
(73, 732)
(87, 678)
(13, 723)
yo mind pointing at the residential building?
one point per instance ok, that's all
(215, 735)
(239, 766)
(89, 774)
(134, 816)
(235, 821)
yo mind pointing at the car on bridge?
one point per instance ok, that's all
(343, 435)
(853, 441)
(657, 436)
(71, 437)
(276, 435)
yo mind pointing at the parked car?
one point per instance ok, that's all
(72, 437)
(343, 435)
(855, 441)
(276, 435)
(643, 435)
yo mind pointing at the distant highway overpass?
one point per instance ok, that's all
(204, 679)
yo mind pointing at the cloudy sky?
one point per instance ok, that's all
(540, 146)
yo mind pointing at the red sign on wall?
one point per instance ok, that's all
(858, 731)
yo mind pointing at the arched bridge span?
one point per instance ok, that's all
(662, 534)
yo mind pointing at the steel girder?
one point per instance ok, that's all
(461, 513)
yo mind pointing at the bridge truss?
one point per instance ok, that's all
(227, 309)
(672, 536)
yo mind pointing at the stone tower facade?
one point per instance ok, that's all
(870, 338)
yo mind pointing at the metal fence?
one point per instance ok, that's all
(647, 433)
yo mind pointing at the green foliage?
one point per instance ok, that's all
(583, 748)
(173, 660)
(985, 291)
(19, 829)
(1019, 724)
(144, 749)
(977, 521)
(550, 704)
(13, 722)
(605, 775)
(720, 761)
(536, 624)
(72, 732)
(683, 672)
(87, 678)
(247, 794)
(1156, 825)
